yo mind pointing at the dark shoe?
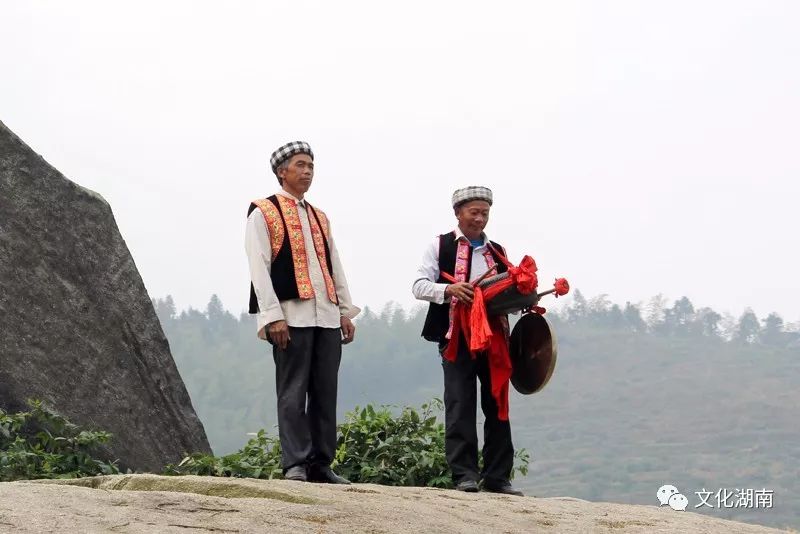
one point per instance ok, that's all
(325, 475)
(505, 488)
(470, 486)
(296, 472)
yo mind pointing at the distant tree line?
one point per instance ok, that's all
(657, 316)
(680, 318)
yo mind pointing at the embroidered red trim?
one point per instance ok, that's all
(460, 275)
(319, 245)
(298, 247)
(274, 224)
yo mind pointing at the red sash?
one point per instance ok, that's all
(483, 333)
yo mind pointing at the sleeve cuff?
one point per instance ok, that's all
(348, 310)
(271, 315)
(438, 292)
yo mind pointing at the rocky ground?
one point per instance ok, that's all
(151, 503)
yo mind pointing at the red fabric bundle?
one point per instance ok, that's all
(561, 286)
(490, 334)
(524, 277)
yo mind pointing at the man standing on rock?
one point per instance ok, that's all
(300, 295)
(464, 255)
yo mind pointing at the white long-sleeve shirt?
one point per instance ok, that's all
(425, 286)
(318, 311)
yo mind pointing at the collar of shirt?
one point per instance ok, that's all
(460, 235)
(301, 203)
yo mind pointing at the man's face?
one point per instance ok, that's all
(297, 176)
(473, 216)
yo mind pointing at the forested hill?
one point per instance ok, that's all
(642, 396)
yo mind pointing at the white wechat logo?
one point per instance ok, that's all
(665, 492)
(669, 495)
(678, 502)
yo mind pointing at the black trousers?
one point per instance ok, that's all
(306, 378)
(461, 437)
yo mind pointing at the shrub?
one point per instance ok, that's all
(373, 446)
(407, 450)
(43, 444)
(259, 458)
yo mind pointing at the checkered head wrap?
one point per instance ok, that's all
(287, 151)
(473, 192)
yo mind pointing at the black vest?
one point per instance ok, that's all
(282, 268)
(437, 321)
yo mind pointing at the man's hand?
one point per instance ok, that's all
(463, 291)
(279, 333)
(348, 330)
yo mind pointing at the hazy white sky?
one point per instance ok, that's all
(634, 147)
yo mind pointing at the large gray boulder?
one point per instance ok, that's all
(77, 328)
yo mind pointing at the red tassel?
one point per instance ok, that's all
(479, 329)
(451, 352)
(499, 369)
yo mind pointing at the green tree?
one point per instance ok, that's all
(748, 328)
(220, 321)
(215, 311)
(772, 333)
(707, 322)
(598, 309)
(655, 312)
(682, 312)
(578, 309)
(633, 318)
(614, 317)
(165, 309)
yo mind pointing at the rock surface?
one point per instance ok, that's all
(77, 328)
(150, 503)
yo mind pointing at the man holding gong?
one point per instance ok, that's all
(451, 264)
